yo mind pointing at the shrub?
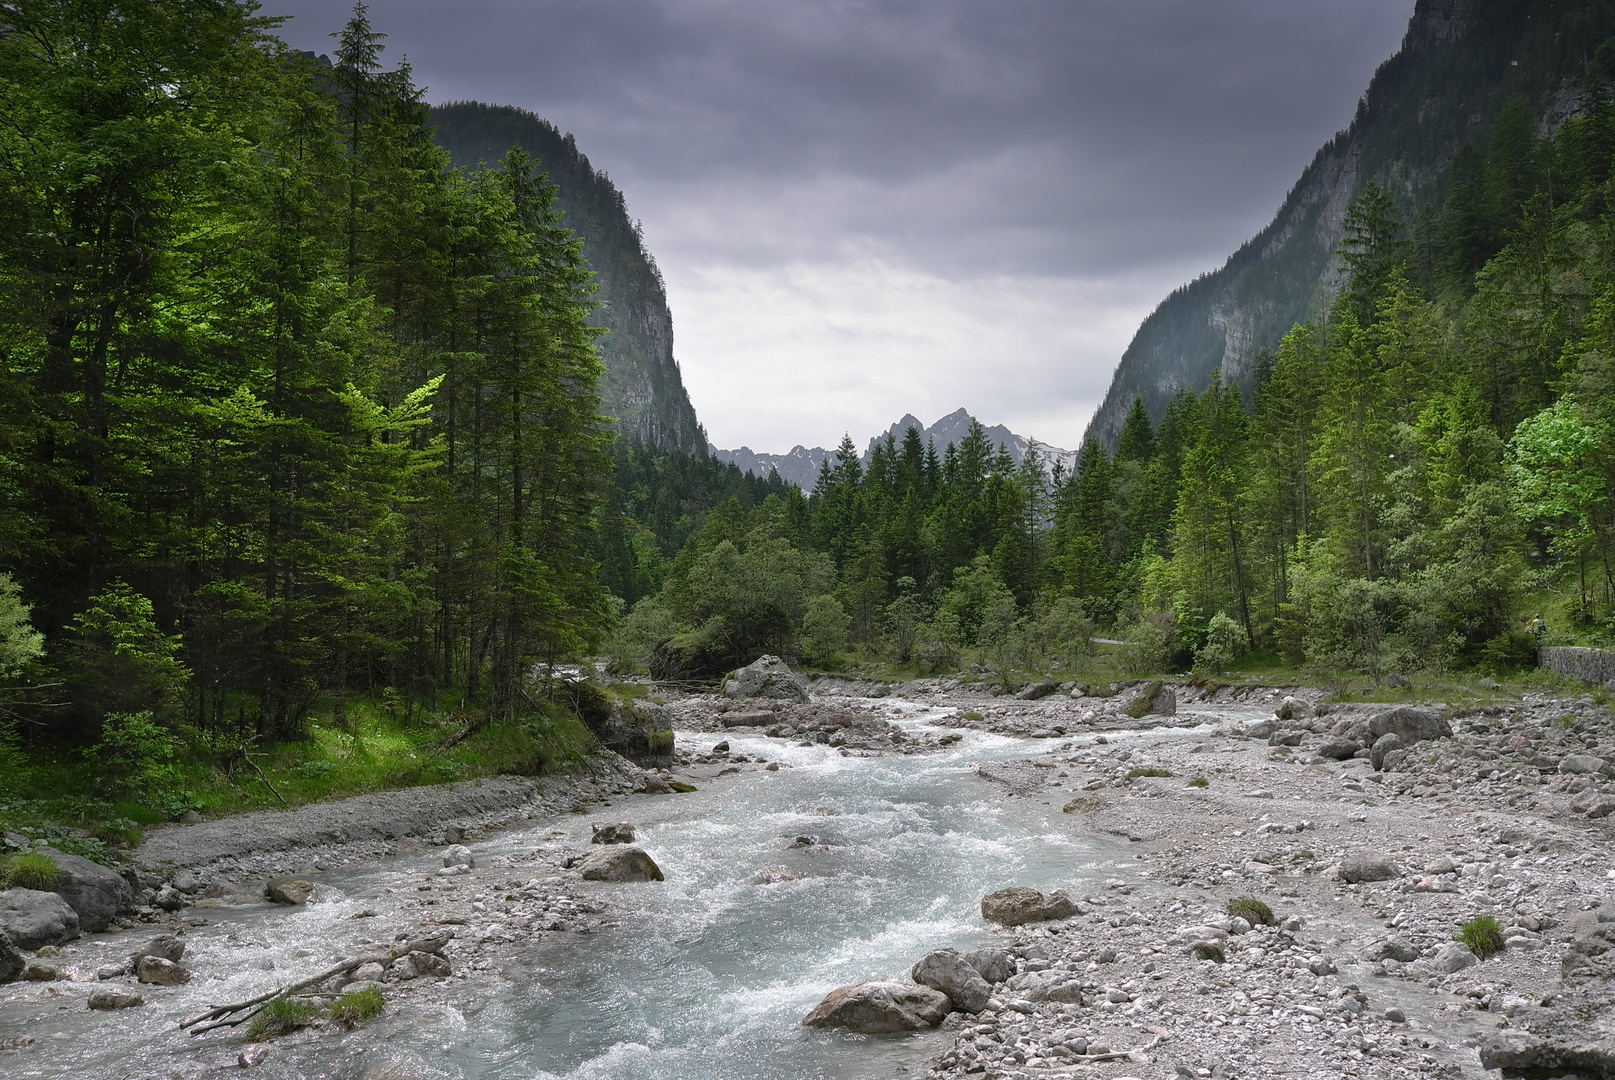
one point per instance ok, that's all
(1484, 936)
(1252, 911)
(970, 716)
(281, 1017)
(825, 626)
(1225, 643)
(1133, 774)
(357, 1006)
(136, 755)
(34, 870)
(1199, 781)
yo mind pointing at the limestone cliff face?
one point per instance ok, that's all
(1459, 62)
(642, 389)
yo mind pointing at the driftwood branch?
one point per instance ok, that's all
(264, 778)
(239, 1012)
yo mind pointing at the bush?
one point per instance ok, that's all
(1252, 911)
(1133, 774)
(629, 647)
(1200, 781)
(34, 870)
(1225, 643)
(1152, 644)
(825, 626)
(136, 756)
(20, 643)
(118, 661)
(357, 1006)
(1484, 936)
(281, 1017)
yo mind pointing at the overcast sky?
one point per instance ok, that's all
(864, 209)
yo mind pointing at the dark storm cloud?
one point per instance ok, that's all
(870, 208)
(1093, 136)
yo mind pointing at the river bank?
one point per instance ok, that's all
(904, 836)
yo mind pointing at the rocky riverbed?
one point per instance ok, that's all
(1150, 810)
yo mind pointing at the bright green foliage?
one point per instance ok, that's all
(119, 661)
(281, 1016)
(356, 1006)
(825, 626)
(293, 413)
(1484, 936)
(20, 643)
(30, 870)
(1252, 911)
(135, 755)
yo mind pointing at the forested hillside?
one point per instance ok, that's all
(642, 389)
(293, 414)
(1417, 475)
(1474, 79)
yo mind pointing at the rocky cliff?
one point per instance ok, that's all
(1460, 61)
(642, 388)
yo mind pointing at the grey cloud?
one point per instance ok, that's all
(1094, 135)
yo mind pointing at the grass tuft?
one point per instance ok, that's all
(1134, 774)
(281, 1017)
(357, 1006)
(1200, 781)
(33, 870)
(1252, 911)
(1484, 936)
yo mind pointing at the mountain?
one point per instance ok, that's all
(642, 388)
(1461, 62)
(801, 465)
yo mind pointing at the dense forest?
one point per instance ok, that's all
(1412, 472)
(307, 487)
(293, 413)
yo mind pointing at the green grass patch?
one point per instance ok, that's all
(1484, 936)
(1200, 782)
(375, 748)
(970, 716)
(1134, 774)
(356, 1006)
(281, 1017)
(32, 870)
(1252, 911)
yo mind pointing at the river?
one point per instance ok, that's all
(706, 975)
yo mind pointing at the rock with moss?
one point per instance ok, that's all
(98, 894)
(1154, 698)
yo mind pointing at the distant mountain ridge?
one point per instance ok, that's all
(801, 465)
(1459, 63)
(643, 389)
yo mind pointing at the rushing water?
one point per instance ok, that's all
(709, 972)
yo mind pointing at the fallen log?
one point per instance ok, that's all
(226, 1015)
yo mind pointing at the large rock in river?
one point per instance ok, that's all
(31, 918)
(620, 862)
(876, 1008)
(766, 677)
(1012, 907)
(947, 971)
(1410, 724)
(96, 893)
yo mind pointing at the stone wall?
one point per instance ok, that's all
(1596, 666)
